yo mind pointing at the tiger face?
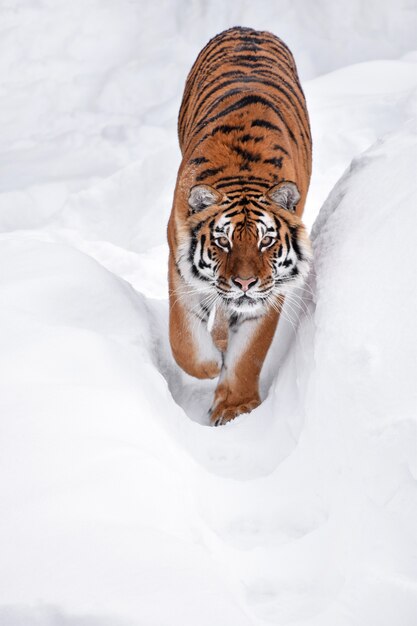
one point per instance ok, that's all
(249, 249)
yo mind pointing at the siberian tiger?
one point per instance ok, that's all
(236, 240)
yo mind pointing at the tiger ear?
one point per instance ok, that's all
(202, 196)
(285, 194)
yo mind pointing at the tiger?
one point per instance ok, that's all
(237, 244)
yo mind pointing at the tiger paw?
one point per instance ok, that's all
(202, 369)
(209, 369)
(225, 411)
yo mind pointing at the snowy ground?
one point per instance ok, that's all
(119, 505)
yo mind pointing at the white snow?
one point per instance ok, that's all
(119, 505)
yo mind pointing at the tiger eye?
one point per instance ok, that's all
(223, 241)
(267, 241)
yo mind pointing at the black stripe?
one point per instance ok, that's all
(247, 47)
(234, 204)
(274, 161)
(251, 178)
(265, 124)
(294, 242)
(259, 206)
(276, 146)
(199, 160)
(202, 264)
(287, 242)
(222, 185)
(247, 155)
(250, 196)
(277, 223)
(209, 172)
(225, 129)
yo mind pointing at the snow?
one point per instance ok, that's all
(120, 506)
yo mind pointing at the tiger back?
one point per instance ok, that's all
(243, 113)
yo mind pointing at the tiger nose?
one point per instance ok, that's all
(244, 283)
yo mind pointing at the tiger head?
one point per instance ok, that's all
(248, 248)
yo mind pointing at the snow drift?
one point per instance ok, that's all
(120, 506)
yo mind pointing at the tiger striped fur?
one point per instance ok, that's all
(237, 243)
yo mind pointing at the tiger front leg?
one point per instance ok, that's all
(191, 343)
(238, 388)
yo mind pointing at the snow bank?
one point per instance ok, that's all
(119, 504)
(93, 492)
(349, 110)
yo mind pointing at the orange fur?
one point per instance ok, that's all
(235, 223)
